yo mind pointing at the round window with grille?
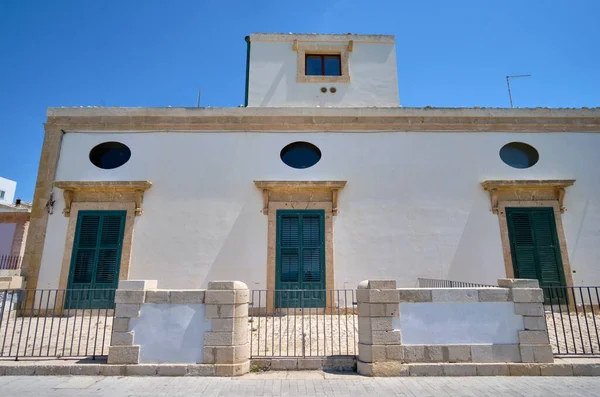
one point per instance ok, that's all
(519, 155)
(300, 155)
(109, 155)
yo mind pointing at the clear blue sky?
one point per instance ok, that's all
(158, 53)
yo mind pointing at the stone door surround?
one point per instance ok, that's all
(299, 195)
(101, 196)
(529, 193)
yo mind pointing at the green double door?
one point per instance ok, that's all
(300, 259)
(535, 249)
(96, 259)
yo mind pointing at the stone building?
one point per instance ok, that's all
(322, 180)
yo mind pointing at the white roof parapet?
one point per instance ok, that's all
(357, 38)
(326, 112)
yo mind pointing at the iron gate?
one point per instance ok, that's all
(280, 325)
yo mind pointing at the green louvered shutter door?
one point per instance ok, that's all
(548, 250)
(300, 259)
(96, 257)
(535, 249)
(522, 244)
(109, 252)
(313, 266)
(84, 251)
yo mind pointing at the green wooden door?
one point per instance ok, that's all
(96, 258)
(300, 263)
(535, 249)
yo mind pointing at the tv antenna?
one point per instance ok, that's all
(508, 85)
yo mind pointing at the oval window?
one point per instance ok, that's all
(519, 155)
(300, 155)
(109, 155)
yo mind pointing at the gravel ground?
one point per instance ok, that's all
(324, 335)
(65, 336)
(572, 333)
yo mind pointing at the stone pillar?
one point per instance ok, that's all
(379, 345)
(528, 298)
(227, 345)
(128, 302)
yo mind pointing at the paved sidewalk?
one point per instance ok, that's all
(298, 384)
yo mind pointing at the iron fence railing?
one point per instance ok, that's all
(10, 262)
(573, 319)
(439, 283)
(303, 323)
(55, 323)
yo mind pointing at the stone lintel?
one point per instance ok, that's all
(103, 191)
(280, 187)
(525, 190)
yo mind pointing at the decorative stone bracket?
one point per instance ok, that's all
(103, 191)
(527, 190)
(288, 188)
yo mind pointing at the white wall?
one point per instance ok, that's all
(274, 65)
(9, 188)
(7, 232)
(170, 333)
(458, 323)
(413, 206)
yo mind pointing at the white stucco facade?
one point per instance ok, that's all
(408, 200)
(273, 70)
(413, 205)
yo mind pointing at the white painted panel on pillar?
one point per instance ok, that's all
(458, 323)
(170, 333)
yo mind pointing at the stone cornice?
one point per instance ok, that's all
(14, 217)
(358, 38)
(526, 190)
(103, 191)
(269, 187)
(324, 119)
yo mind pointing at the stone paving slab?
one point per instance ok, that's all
(309, 383)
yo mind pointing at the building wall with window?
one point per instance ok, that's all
(7, 190)
(275, 68)
(413, 205)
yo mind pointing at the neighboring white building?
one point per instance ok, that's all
(7, 190)
(322, 181)
(14, 222)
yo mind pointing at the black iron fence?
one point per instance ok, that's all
(303, 323)
(55, 323)
(10, 262)
(573, 318)
(438, 283)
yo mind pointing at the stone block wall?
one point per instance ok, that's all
(449, 325)
(206, 327)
